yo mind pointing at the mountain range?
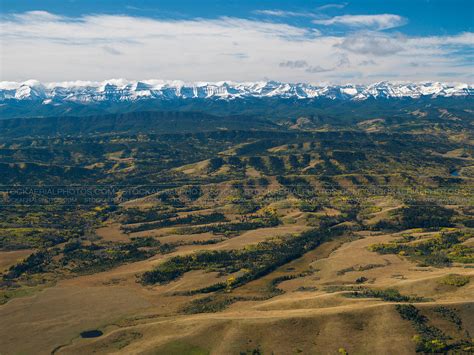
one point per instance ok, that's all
(120, 90)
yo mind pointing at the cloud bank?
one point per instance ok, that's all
(49, 47)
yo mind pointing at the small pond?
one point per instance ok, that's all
(91, 333)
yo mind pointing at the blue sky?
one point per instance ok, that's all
(300, 40)
(427, 17)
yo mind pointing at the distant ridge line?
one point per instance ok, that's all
(121, 90)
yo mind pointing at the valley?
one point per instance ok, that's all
(189, 233)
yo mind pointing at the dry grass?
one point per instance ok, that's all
(9, 258)
(303, 318)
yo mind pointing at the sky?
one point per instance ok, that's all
(358, 41)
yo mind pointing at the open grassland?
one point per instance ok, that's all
(313, 241)
(313, 303)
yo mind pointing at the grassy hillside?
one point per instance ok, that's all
(188, 233)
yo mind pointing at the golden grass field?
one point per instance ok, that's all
(307, 312)
(306, 318)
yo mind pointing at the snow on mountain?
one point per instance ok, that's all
(123, 90)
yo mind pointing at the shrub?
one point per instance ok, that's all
(455, 280)
(361, 280)
(426, 216)
(210, 304)
(215, 164)
(449, 314)
(35, 263)
(390, 295)
(429, 338)
(259, 259)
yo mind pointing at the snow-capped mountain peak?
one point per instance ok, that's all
(124, 90)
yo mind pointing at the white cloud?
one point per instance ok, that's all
(373, 43)
(462, 39)
(48, 47)
(379, 22)
(332, 6)
(283, 13)
(42, 16)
